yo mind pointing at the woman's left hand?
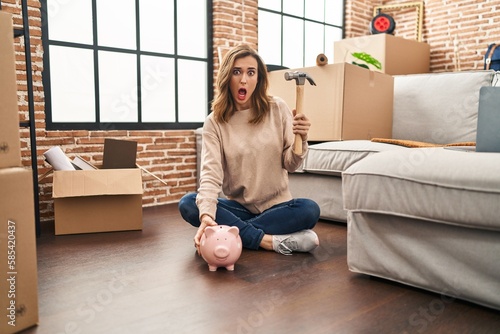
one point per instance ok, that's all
(301, 125)
(206, 220)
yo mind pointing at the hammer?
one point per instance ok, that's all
(300, 79)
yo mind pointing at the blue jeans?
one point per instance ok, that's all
(284, 218)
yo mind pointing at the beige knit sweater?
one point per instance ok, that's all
(249, 162)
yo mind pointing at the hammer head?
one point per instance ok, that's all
(300, 77)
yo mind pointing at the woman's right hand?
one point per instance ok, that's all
(206, 220)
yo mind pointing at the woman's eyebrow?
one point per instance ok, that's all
(239, 68)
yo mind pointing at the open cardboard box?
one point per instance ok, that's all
(101, 200)
(18, 264)
(88, 199)
(348, 102)
(91, 200)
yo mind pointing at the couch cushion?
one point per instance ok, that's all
(434, 184)
(332, 158)
(438, 107)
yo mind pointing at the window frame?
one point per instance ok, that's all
(304, 20)
(139, 125)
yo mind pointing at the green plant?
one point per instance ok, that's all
(367, 59)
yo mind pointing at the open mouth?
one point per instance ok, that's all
(242, 93)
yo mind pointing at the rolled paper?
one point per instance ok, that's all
(59, 161)
(321, 59)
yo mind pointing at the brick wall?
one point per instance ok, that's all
(463, 27)
(171, 155)
(235, 22)
(358, 14)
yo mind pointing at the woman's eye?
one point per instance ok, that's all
(236, 72)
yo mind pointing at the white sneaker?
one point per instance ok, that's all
(302, 241)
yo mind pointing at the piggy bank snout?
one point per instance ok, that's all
(221, 251)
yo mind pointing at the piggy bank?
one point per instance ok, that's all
(220, 246)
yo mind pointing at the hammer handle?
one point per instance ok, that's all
(297, 146)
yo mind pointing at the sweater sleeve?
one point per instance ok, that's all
(211, 174)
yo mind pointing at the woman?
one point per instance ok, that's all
(247, 152)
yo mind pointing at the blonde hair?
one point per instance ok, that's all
(223, 105)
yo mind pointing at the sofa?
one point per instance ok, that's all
(418, 211)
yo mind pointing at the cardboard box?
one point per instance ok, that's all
(348, 102)
(18, 262)
(106, 200)
(10, 145)
(397, 55)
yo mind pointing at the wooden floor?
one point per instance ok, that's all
(152, 281)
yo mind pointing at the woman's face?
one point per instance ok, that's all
(243, 81)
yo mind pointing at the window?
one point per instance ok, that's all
(293, 33)
(127, 64)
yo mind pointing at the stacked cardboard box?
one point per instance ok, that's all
(10, 149)
(18, 265)
(19, 288)
(397, 55)
(348, 102)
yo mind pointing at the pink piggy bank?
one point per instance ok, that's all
(221, 246)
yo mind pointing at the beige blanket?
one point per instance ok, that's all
(413, 143)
